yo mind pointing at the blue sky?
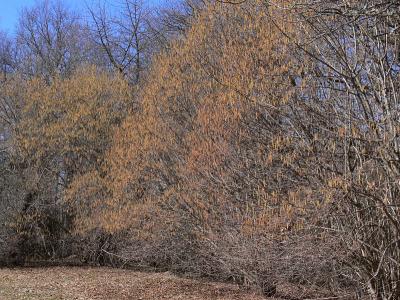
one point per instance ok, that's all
(9, 10)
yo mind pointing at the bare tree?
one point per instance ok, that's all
(52, 39)
(124, 37)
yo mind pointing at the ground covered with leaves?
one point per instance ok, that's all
(105, 283)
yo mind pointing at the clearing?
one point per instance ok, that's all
(106, 283)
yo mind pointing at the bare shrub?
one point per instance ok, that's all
(354, 47)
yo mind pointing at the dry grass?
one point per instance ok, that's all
(104, 283)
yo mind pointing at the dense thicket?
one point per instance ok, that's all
(254, 142)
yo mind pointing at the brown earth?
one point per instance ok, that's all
(105, 283)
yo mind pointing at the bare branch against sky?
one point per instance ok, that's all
(9, 10)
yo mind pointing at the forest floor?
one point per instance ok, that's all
(106, 283)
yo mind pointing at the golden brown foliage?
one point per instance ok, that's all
(65, 130)
(211, 157)
(195, 76)
(71, 118)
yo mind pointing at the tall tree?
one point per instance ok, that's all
(52, 39)
(123, 36)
